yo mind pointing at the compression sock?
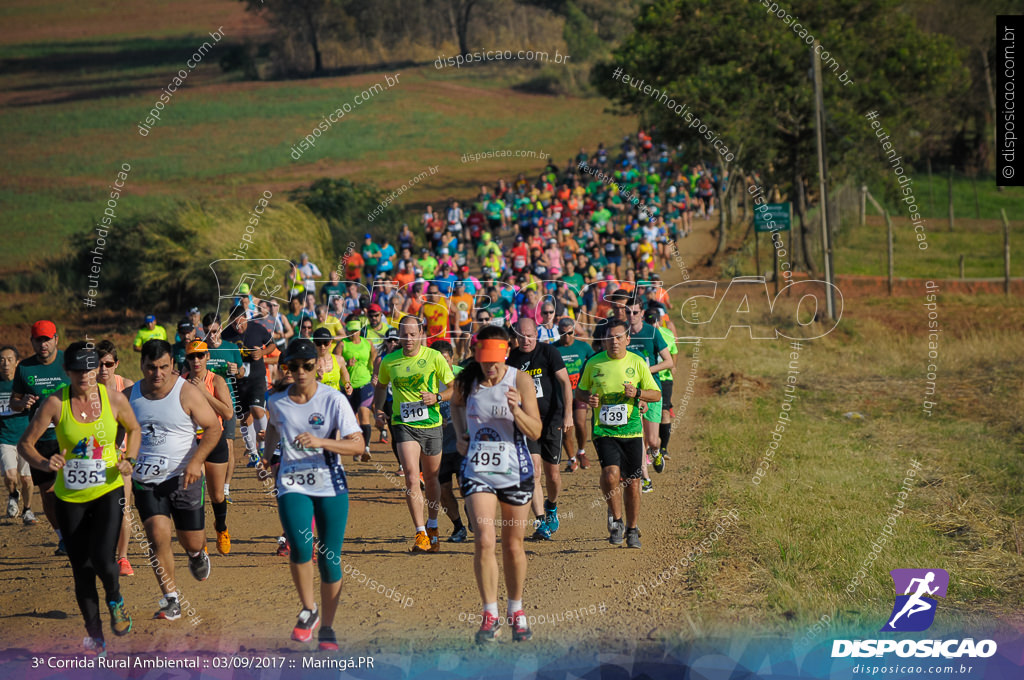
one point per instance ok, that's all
(249, 435)
(431, 523)
(663, 433)
(220, 514)
(367, 431)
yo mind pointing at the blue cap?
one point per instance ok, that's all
(150, 318)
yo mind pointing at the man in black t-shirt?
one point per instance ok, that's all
(554, 398)
(254, 342)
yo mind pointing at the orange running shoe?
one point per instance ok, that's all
(435, 540)
(126, 567)
(422, 543)
(584, 461)
(223, 542)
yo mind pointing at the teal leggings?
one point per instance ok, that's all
(297, 511)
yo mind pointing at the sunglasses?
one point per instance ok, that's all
(108, 364)
(322, 343)
(307, 366)
(190, 357)
(483, 318)
(635, 312)
(548, 311)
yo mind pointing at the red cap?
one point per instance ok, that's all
(43, 329)
(464, 268)
(375, 308)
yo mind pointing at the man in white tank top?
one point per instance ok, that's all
(168, 475)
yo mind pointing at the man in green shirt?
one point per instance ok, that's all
(575, 354)
(420, 378)
(12, 426)
(428, 263)
(36, 378)
(148, 332)
(372, 254)
(614, 382)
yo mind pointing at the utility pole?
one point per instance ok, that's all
(826, 233)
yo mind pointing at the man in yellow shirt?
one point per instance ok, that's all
(148, 332)
(420, 378)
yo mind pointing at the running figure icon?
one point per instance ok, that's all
(916, 593)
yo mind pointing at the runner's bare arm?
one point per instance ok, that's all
(48, 413)
(526, 413)
(125, 417)
(203, 415)
(666, 361)
(270, 441)
(347, 446)
(220, 400)
(563, 377)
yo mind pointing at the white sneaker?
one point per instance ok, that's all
(29, 518)
(12, 508)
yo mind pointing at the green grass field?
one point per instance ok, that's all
(809, 525)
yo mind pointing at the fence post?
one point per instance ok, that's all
(863, 203)
(888, 228)
(961, 266)
(931, 187)
(1006, 252)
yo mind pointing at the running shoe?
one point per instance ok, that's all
(520, 630)
(60, 548)
(199, 566)
(169, 610)
(435, 539)
(94, 646)
(125, 567)
(633, 538)
(327, 639)
(366, 457)
(611, 522)
(617, 532)
(423, 484)
(28, 518)
(542, 532)
(223, 542)
(228, 500)
(572, 466)
(646, 486)
(12, 508)
(384, 437)
(120, 622)
(282, 547)
(459, 535)
(551, 520)
(584, 462)
(254, 460)
(650, 461)
(422, 543)
(304, 627)
(659, 460)
(489, 629)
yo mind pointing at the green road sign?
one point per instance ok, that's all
(772, 217)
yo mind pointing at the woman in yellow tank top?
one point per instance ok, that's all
(89, 487)
(329, 370)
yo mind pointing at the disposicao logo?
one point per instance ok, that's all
(914, 611)
(916, 589)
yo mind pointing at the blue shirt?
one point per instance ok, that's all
(386, 264)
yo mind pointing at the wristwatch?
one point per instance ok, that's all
(438, 397)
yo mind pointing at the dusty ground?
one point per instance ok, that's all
(249, 601)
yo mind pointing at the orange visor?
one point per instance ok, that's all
(491, 350)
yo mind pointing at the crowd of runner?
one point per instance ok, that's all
(477, 382)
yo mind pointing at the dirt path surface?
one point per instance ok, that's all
(585, 588)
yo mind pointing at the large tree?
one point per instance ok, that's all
(745, 74)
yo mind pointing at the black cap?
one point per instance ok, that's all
(81, 356)
(301, 349)
(392, 334)
(185, 325)
(322, 334)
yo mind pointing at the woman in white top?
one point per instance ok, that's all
(315, 428)
(494, 406)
